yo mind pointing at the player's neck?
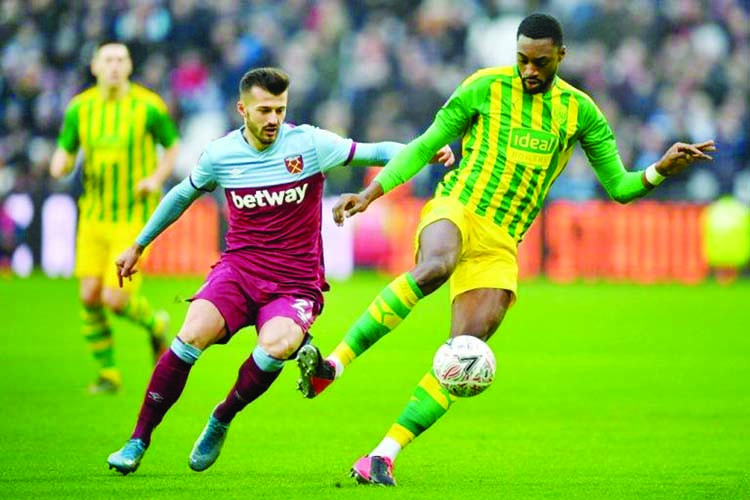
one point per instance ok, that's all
(114, 93)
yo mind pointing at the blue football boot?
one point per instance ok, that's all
(208, 446)
(128, 458)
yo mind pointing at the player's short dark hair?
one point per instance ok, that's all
(273, 80)
(537, 26)
(109, 41)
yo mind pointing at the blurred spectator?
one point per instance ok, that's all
(7, 240)
(660, 70)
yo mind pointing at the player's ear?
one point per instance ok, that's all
(94, 65)
(562, 52)
(128, 66)
(241, 108)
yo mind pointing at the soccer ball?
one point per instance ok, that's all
(464, 366)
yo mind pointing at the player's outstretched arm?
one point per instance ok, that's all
(625, 186)
(350, 203)
(676, 159)
(380, 153)
(171, 207)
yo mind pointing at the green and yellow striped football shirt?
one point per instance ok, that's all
(118, 138)
(514, 145)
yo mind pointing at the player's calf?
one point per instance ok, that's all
(158, 332)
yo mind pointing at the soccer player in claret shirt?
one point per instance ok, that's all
(118, 125)
(271, 274)
(519, 125)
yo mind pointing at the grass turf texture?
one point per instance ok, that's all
(602, 391)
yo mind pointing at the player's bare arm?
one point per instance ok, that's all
(350, 203)
(680, 156)
(154, 182)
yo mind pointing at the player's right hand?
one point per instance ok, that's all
(57, 170)
(445, 156)
(126, 263)
(348, 205)
(61, 163)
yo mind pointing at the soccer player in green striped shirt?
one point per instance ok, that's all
(519, 125)
(118, 125)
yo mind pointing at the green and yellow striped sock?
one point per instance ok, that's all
(385, 313)
(428, 403)
(98, 335)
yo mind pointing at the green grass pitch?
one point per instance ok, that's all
(602, 391)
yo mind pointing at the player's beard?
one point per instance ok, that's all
(267, 137)
(261, 133)
(541, 87)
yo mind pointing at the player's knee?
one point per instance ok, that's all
(201, 334)
(280, 337)
(115, 306)
(430, 274)
(279, 348)
(115, 302)
(91, 296)
(197, 337)
(90, 299)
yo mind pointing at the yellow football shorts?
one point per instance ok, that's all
(98, 245)
(489, 257)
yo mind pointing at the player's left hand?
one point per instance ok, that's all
(445, 156)
(147, 186)
(681, 155)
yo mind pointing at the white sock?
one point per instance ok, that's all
(388, 447)
(337, 364)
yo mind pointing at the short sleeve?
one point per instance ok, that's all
(332, 149)
(68, 138)
(203, 177)
(161, 125)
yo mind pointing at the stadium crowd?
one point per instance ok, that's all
(662, 70)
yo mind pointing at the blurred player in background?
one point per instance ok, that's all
(271, 274)
(118, 125)
(519, 125)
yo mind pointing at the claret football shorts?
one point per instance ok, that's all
(243, 300)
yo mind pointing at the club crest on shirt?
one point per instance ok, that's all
(294, 164)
